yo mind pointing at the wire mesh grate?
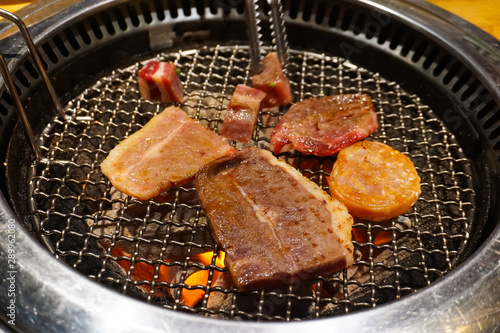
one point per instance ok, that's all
(162, 250)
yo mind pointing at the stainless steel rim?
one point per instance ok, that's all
(436, 303)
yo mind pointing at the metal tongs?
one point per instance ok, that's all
(278, 33)
(9, 81)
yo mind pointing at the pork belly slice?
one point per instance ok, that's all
(242, 113)
(323, 126)
(273, 82)
(158, 81)
(275, 225)
(166, 152)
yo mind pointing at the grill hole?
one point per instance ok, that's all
(495, 117)
(430, 58)
(95, 27)
(186, 8)
(372, 29)
(334, 16)
(6, 98)
(31, 69)
(172, 6)
(452, 73)
(264, 6)
(398, 36)
(22, 78)
(481, 98)
(134, 17)
(83, 33)
(225, 5)
(419, 51)
(200, 8)
(445, 60)
(461, 81)
(468, 93)
(71, 39)
(120, 19)
(485, 111)
(61, 46)
(306, 14)
(50, 53)
(3, 110)
(496, 146)
(213, 7)
(240, 7)
(18, 90)
(160, 10)
(382, 38)
(407, 46)
(108, 23)
(359, 23)
(346, 20)
(294, 9)
(320, 13)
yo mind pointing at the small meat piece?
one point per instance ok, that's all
(242, 113)
(166, 152)
(374, 181)
(323, 126)
(158, 81)
(275, 225)
(273, 82)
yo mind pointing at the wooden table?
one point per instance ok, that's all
(483, 13)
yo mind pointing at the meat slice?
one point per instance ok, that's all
(242, 113)
(159, 81)
(273, 82)
(323, 126)
(275, 225)
(166, 152)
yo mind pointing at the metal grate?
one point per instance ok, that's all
(151, 249)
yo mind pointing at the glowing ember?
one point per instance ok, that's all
(379, 237)
(383, 237)
(200, 278)
(142, 271)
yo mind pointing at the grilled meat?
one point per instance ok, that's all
(159, 81)
(273, 82)
(166, 152)
(242, 112)
(324, 126)
(275, 225)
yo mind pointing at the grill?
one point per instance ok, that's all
(74, 205)
(127, 245)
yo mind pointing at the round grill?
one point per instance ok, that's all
(151, 249)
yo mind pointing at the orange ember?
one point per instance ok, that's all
(145, 272)
(379, 237)
(142, 271)
(200, 278)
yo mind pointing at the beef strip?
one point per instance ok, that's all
(275, 225)
(273, 82)
(159, 81)
(166, 152)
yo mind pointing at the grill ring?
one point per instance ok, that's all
(475, 97)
